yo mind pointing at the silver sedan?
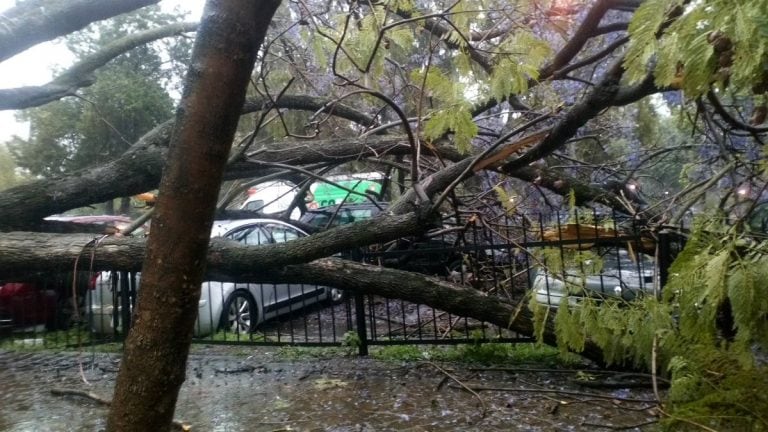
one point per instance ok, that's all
(619, 274)
(235, 307)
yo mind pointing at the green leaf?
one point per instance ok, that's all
(523, 55)
(456, 119)
(642, 30)
(666, 65)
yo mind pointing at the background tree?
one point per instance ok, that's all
(9, 175)
(129, 97)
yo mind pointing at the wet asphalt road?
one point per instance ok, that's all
(256, 390)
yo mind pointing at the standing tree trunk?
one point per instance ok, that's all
(154, 363)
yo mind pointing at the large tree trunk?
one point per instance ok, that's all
(154, 363)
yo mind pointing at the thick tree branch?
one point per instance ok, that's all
(80, 74)
(563, 184)
(577, 41)
(136, 171)
(36, 21)
(24, 252)
(606, 94)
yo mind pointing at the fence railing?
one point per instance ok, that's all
(511, 258)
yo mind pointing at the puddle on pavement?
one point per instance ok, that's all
(239, 394)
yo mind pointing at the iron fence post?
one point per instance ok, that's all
(358, 255)
(125, 302)
(665, 257)
(362, 332)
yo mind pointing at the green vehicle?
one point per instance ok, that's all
(326, 194)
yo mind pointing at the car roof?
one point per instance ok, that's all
(382, 204)
(223, 227)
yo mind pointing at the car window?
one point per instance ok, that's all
(250, 235)
(282, 233)
(362, 214)
(622, 259)
(254, 205)
(343, 217)
(320, 219)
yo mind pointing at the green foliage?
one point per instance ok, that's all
(578, 262)
(309, 353)
(456, 117)
(719, 271)
(524, 55)
(714, 389)
(351, 341)
(711, 42)
(659, 131)
(461, 19)
(363, 42)
(507, 200)
(8, 173)
(645, 23)
(482, 353)
(75, 338)
(52, 139)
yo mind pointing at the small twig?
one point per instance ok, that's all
(464, 386)
(106, 402)
(567, 371)
(654, 381)
(612, 427)
(685, 420)
(88, 395)
(555, 391)
(139, 221)
(243, 369)
(612, 403)
(615, 385)
(558, 402)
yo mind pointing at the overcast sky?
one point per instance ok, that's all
(33, 66)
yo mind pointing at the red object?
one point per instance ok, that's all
(24, 304)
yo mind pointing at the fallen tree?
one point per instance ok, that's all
(139, 169)
(229, 261)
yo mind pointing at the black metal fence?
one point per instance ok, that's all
(513, 258)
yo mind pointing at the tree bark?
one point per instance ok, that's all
(154, 363)
(25, 252)
(36, 21)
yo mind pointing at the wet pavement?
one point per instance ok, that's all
(258, 390)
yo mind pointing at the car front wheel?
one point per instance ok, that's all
(239, 314)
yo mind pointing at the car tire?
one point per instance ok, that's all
(239, 314)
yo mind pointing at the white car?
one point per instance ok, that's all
(235, 307)
(619, 275)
